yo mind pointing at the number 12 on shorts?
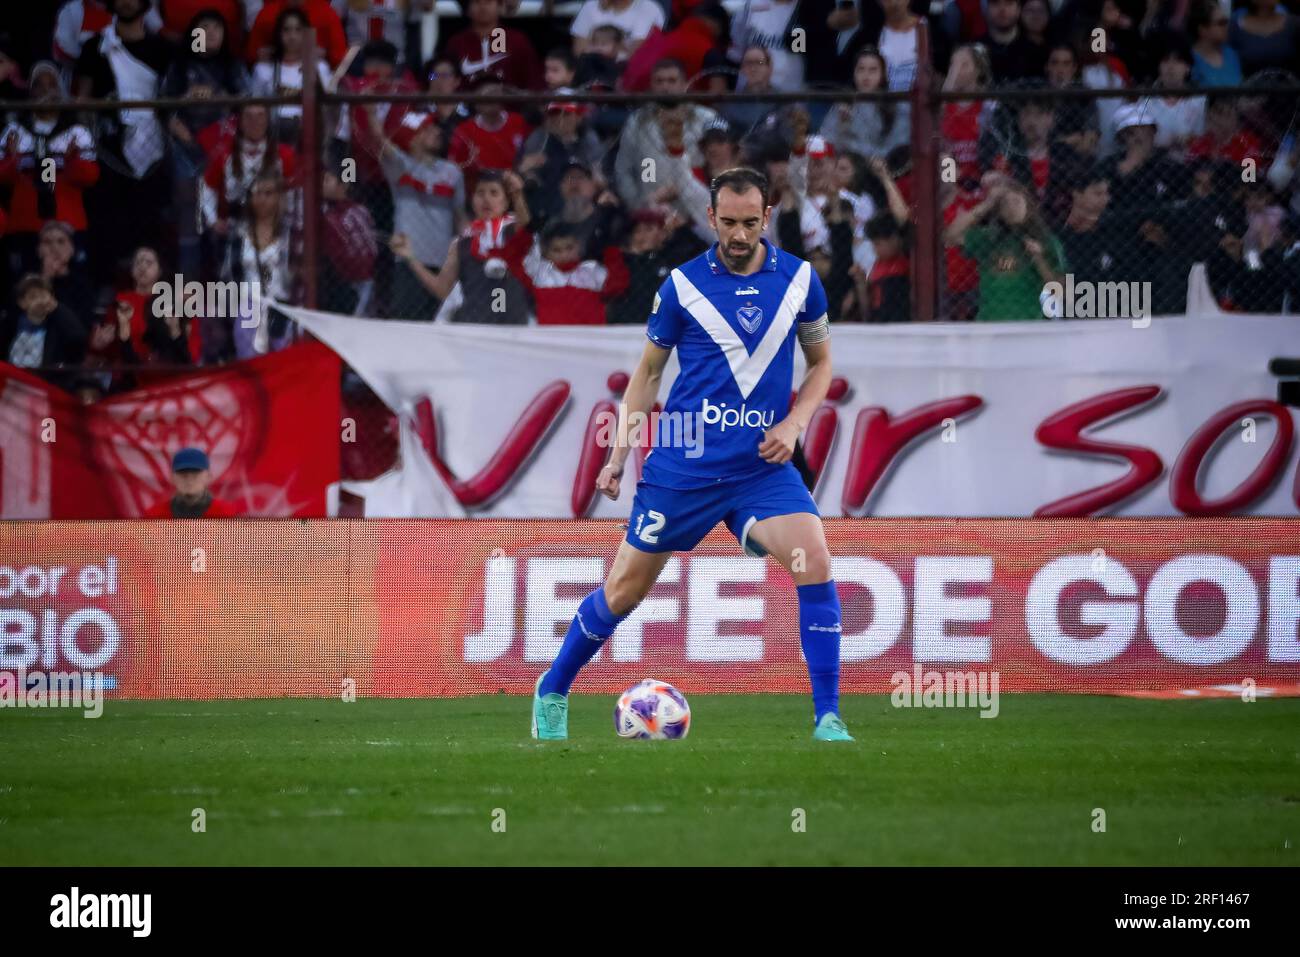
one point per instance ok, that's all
(650, 534)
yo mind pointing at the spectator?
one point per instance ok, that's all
(252, 152)
(1097, 247)
(179, 24)
(636, 18)
(198, 75)
(282, 75)
(567, 289)
(643, 149)
(1142, 178)
(492, 138)
(192, 479)
(126, 62)
(1224, 137)
(960, 296)
(962, 122)
(349, 247)
(601, 64)
(889, 284)
(43, 335)
(559, 69)
(548, 151)
(80, 20)
(1146, 188)
(829, 29)
(57, 252)
(429, 202)
(1101, 71)
(487, 46)
(1178, 119)
(1214, 62)
(1017, 256)
(262, 251)
(1073, 154)
(755, 77)
(443, 77)
(36, 197)
(796, 224)
(1029, 159)
(148, 330)
(698, 43)
(264, 34)
(897, 43)
(656, 244)
(1012, 55)
(1035, 28)
(866, 127)
(592, 211)
(719, 151)
(1265, 38)
(382, 21)
(1064, 73)
(767, 24)
(475, 283)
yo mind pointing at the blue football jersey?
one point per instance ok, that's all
(735, 338)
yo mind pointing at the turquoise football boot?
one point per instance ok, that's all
(831, 728)
(550, 715)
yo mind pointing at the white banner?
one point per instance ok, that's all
(943, 419)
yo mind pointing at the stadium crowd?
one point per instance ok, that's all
(565, 212)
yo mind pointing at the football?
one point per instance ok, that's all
(652, 709)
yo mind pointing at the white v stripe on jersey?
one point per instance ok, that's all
(746, 368)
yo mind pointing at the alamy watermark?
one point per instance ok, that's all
(1097, 300)
(209, 300)
(946, 689)
(82, 690)
(678, 429)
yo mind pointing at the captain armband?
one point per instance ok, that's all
(817, 331)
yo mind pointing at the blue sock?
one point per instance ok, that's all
(593, 623)
(819, 634)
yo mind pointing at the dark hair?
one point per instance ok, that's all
(1200, 15)
(1172, 43)
(277, 44)
(432, 65)
(668, 63)
(558, 229)
(564, 55)
(618, 33)
(29, 282)
(740, 179)
(888, 109)
(1087, 174)
(883, 226)
(490, 176)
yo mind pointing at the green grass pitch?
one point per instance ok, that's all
(304, 781)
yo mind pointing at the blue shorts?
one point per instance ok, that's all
(667, 519)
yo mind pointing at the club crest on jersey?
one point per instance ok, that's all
(749, 317)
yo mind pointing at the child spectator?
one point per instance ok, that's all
(567, 289)
(656, 244)
(1224, 137)
(889, 284)
(43, 334)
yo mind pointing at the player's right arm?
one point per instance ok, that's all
(638, 399)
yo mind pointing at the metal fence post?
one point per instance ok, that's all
(312, 144)
(925, 181)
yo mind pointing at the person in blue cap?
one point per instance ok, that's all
(193, 499)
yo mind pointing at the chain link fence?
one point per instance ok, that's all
(955, 201)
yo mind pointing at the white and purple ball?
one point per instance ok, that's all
(652, 709)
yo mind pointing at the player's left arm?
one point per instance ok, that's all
(778, 442)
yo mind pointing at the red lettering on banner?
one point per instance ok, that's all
(509, 458)
(1063, 430)
(877, 439)
(1182, 481)
(592, 459)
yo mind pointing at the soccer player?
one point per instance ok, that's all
(733, 314)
